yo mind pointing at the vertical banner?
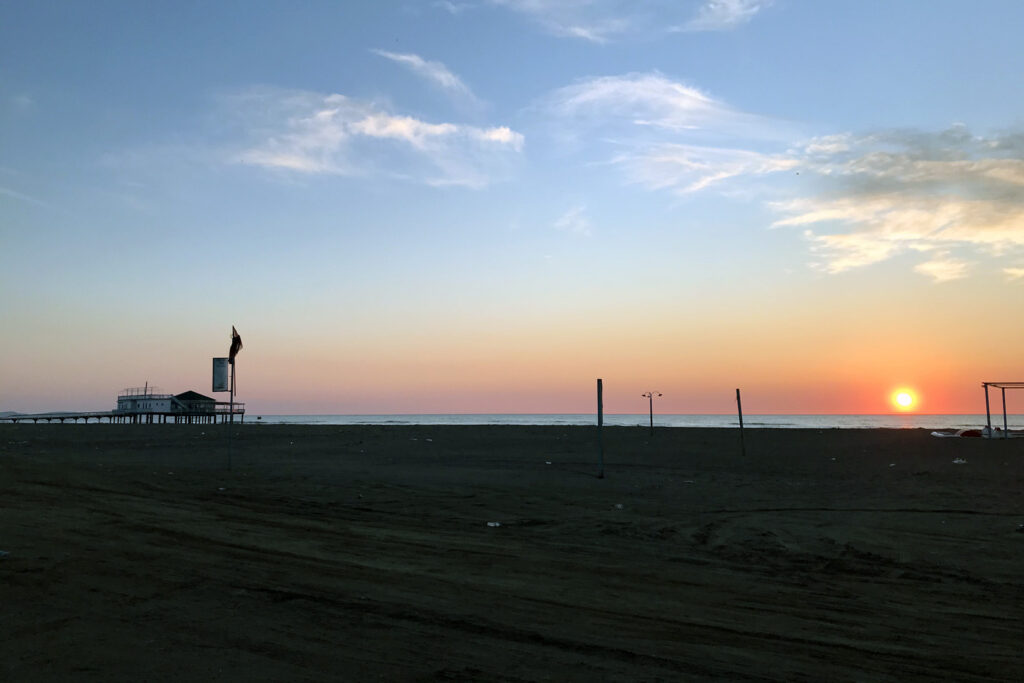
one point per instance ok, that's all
(220, 375)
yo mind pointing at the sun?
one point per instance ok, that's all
(904, 399)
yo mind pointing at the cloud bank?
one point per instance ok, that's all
(895, 192)
(949, 195)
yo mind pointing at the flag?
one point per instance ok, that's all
(236, 345)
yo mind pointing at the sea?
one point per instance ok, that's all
(900, 421)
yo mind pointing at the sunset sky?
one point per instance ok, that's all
(484, 205)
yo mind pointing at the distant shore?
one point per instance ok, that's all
(416, 552)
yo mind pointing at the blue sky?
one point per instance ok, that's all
(433, 206)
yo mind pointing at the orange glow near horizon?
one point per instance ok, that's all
(904, 400)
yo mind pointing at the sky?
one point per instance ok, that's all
(484, 205)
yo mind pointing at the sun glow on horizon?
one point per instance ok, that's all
(904, 400)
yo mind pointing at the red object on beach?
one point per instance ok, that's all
(236, 345)
(970, 432)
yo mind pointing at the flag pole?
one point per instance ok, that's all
(236, 346)
(231, 413)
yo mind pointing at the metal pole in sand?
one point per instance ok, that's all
(600, 430)
(1006, 433)
(739, 408)
(988, 412)
(650, 405)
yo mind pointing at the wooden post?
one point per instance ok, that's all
(739, 409)
(600, 430)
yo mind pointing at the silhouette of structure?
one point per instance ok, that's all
(147, 405)
(1002, 386)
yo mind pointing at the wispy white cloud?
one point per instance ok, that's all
(645, 109)
(1014, 273)
(453, 7)
(722, 15)
(645, 99)
(596, 21)
(314, 133)
(575, 221)
(691, 168)
(20, 196)
(22, 102)
(665, 134)
(604, 21)
(437, 74)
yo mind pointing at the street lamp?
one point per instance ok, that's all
(650, 404)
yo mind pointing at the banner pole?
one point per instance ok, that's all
(231, 413)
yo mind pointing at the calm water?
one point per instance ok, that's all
(774, 421)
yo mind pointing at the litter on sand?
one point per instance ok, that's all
(493, 523)
(959, 461)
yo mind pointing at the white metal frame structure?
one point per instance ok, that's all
(1002, 386)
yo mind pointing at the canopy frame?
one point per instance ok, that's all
(1002, 386)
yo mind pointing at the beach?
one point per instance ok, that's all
(422, 553)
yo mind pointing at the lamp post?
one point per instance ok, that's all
(650, 404)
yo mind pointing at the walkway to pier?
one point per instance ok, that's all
(222, 413)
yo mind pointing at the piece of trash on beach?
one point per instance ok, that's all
(493, 523)
(221, 488)
(428, 439)
(618, 506)
(959, 461)
(547, 462)
(833, 459)
(892, 464)
(1020, 528)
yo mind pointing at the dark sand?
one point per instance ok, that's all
(363, 553)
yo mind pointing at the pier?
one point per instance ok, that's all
(222, 413)
(146, 405)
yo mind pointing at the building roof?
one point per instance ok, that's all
(193, 396)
